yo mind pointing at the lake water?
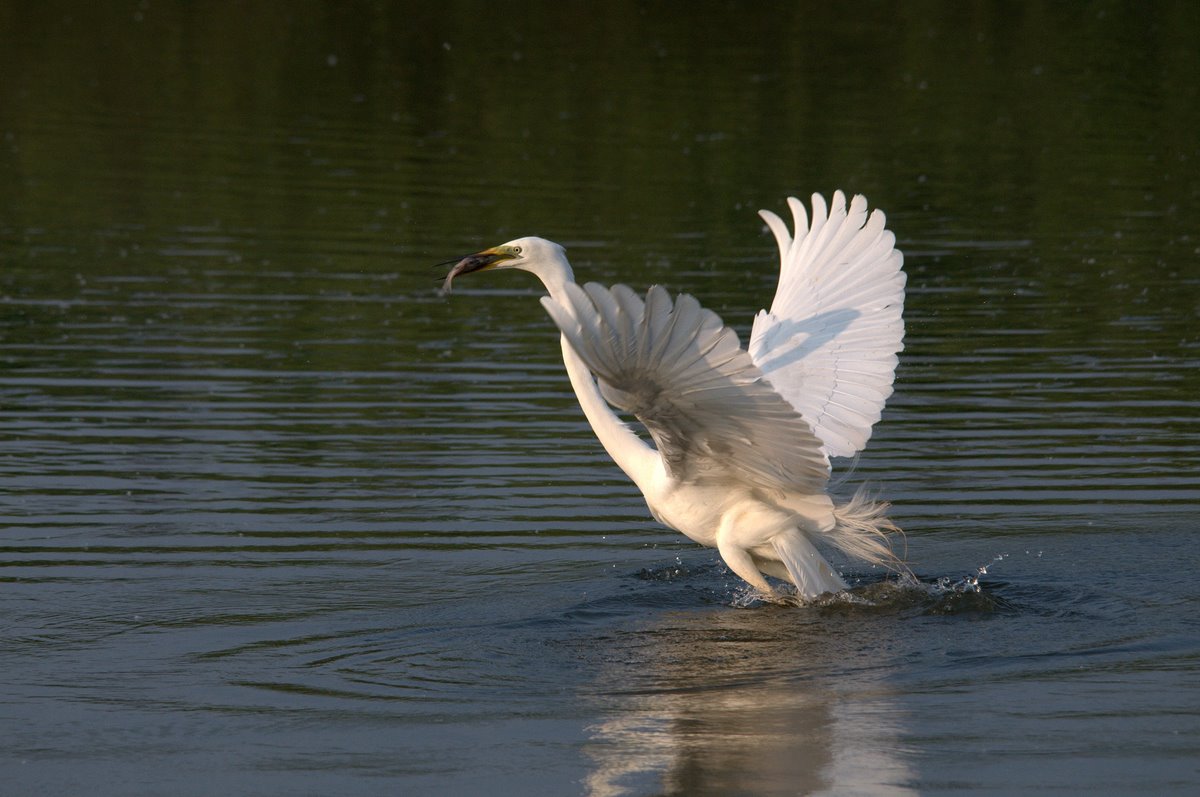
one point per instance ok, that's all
(279, 519)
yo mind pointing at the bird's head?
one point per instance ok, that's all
(544, 258)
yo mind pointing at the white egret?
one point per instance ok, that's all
(742, 437)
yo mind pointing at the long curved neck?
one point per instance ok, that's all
(629, 451)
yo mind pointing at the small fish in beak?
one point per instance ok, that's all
(476, 262)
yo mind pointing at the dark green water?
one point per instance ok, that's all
(275, 518)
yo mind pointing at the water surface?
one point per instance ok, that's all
(277, 518)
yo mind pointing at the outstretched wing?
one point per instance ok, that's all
(828, 345)
(685, 376)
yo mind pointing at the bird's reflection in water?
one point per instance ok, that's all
(760, 702)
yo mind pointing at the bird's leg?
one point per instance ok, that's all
(738, 559)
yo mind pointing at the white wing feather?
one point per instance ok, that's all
(828, 344)
(685, 376)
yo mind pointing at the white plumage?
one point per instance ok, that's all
(679, 370)
(829, 342)
(742, 438)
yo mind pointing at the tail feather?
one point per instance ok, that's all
(863, 530)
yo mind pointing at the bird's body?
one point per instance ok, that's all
(743, 438)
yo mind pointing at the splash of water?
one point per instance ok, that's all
(896, 591)
(970, 583)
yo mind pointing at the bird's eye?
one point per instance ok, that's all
(516, 250)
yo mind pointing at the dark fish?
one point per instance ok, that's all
(475, 262)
